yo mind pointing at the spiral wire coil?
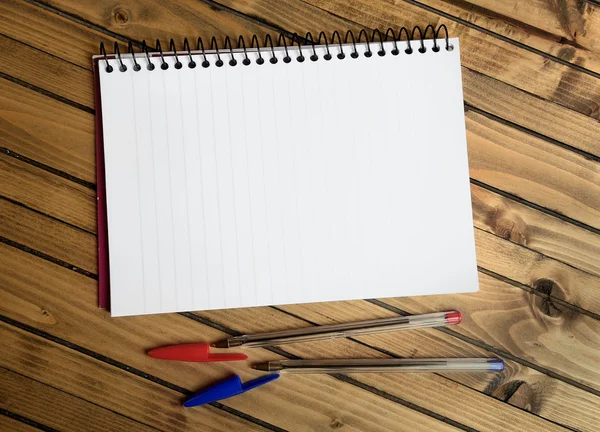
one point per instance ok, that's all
(305, 46)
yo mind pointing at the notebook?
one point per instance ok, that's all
(247, 174)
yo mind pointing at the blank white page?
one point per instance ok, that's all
(278, 183)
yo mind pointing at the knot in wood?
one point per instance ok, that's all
(336, 424)
(510, 226)
(518, 393)
(121, 16)
(545, 302)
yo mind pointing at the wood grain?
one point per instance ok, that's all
(527, 325)
(524, 109)
(353, 311)
(534, 169)
(536, 230)
(64, 299)
(48, 193)
(540, 394)
(530, 268)
(571, 22)
(105, 385)
(28, 398)
(47, 131)
(564, 404)
(484, 92)
(48, 236)
(567, 29)
(481, 412)
(50, 32)
(43, 70)
(8, 424)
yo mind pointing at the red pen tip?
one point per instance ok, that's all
(454, 317)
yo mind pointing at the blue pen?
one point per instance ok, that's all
(225, 389)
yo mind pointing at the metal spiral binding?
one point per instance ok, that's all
(308, 43)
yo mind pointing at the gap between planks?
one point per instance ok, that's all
(31, 425)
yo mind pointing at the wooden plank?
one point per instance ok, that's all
(363, 310)
(28, 398)
(481, 52)
(568, 30)
(150, 21)
(105, 385)
(530, 268)
(540, 394)
(50, 32)
(479, 412)
(43, 70)
(8, 424)
(571, 22)
(536, 230)
(49, 236)
(571, 408)
(524, 109)
(48, 193)
(47, 131)
(56, 300)
(481, 91)
(534, 169)
(528, 326)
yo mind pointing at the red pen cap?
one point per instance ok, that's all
(454, 317)
(198, 352)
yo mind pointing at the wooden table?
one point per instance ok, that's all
(531, 73)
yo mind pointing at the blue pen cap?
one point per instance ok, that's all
(225, 389)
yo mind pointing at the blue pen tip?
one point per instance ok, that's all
(496, 364)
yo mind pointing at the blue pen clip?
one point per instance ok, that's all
(225, 389)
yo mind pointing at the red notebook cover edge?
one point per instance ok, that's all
(103, 265)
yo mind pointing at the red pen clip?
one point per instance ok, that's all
(198, 352)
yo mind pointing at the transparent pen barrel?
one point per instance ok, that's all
(346, 330)
(387, 365)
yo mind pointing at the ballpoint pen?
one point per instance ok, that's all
(383, 365)
(333, 331)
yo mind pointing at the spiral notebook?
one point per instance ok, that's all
(246, 174)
